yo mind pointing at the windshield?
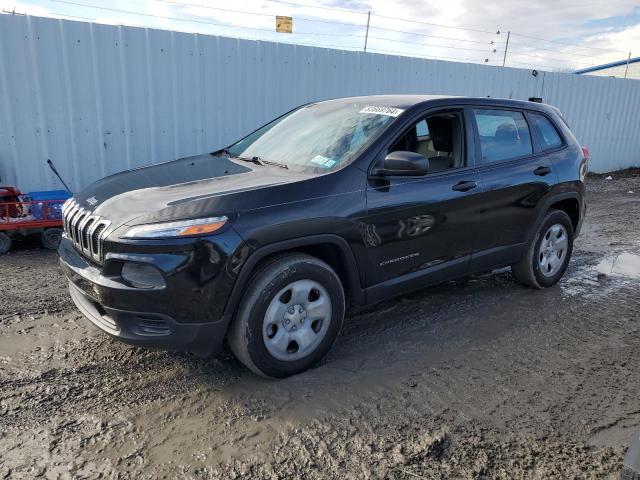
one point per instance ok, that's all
(323, 136)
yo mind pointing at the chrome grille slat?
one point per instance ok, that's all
(77, 221)
(95, 239)
(68, 216)
(85, 231)
(84, 237)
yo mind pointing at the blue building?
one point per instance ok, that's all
(621, 69)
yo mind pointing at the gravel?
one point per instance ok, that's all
(477, 378)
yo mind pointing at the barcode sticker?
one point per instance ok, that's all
(390, 111)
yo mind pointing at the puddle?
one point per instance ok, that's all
(589, 280)
(625, 264)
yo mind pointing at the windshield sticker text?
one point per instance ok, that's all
(389, 111)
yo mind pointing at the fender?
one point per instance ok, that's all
(353, 279)
(544, 208)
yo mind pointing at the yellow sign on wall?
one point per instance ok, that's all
(284, 24)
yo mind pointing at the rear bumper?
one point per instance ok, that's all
(152, 330)
(581, 219)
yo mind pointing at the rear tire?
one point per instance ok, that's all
(290, 316)
(51, 238)
(548, 255)
(5, 243)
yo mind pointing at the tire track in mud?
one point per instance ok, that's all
(474, 378)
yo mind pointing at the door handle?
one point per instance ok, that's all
(542, 171)
(464, 186)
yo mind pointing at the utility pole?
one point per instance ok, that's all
(366, 35)
(506, 47)
(626, 69)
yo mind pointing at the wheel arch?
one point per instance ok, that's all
(571, 206)
(332, 249)
(568, 202)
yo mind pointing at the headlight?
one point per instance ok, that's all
(186, 228)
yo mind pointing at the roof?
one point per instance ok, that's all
(398, 101)
(407, 101)
(608, 65)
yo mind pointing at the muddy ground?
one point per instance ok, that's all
(478, 378)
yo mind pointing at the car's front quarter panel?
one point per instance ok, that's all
(332, 205)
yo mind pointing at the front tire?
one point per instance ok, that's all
(548, 256)
(290, 316)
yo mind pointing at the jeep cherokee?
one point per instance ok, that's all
(339, 203)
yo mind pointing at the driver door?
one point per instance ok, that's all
(420, 230)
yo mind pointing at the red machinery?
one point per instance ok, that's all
(20, 215)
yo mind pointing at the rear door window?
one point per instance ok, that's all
(504, 134)
(548, 135)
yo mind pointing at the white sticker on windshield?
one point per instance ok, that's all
(390, 111)
(323, 161)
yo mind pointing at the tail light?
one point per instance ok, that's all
(584, 166)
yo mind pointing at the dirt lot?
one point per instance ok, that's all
(478, 378)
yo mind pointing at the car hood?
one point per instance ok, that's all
(192, 187)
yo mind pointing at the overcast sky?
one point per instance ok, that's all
(568, 34)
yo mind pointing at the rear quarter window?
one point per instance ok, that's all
(504, 134)
(547, 132)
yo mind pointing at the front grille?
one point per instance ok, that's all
(85, 231)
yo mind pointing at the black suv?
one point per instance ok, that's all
(335, 204)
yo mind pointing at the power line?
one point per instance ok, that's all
(430, 36)
(430, 44)
(198, 21)
(565, 43)
(117, 10)
(270, 15)
(335, 9)
(545, 57)
(72, 16)
(432, 24)
(209, 23)
(555, 50)
(208, 7)
(174, 2)
(441, 25)
(339, 10)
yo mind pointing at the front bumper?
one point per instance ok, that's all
(150, 329)
(184, 315)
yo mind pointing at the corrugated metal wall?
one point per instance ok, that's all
(98, 99)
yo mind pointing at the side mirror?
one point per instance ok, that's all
(402, 164)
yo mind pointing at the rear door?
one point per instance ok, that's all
(516, 175)
(420, 230)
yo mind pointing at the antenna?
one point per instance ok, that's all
(52, 167)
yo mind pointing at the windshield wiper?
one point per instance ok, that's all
(275, 164)
(256, 160)
(261, 161)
